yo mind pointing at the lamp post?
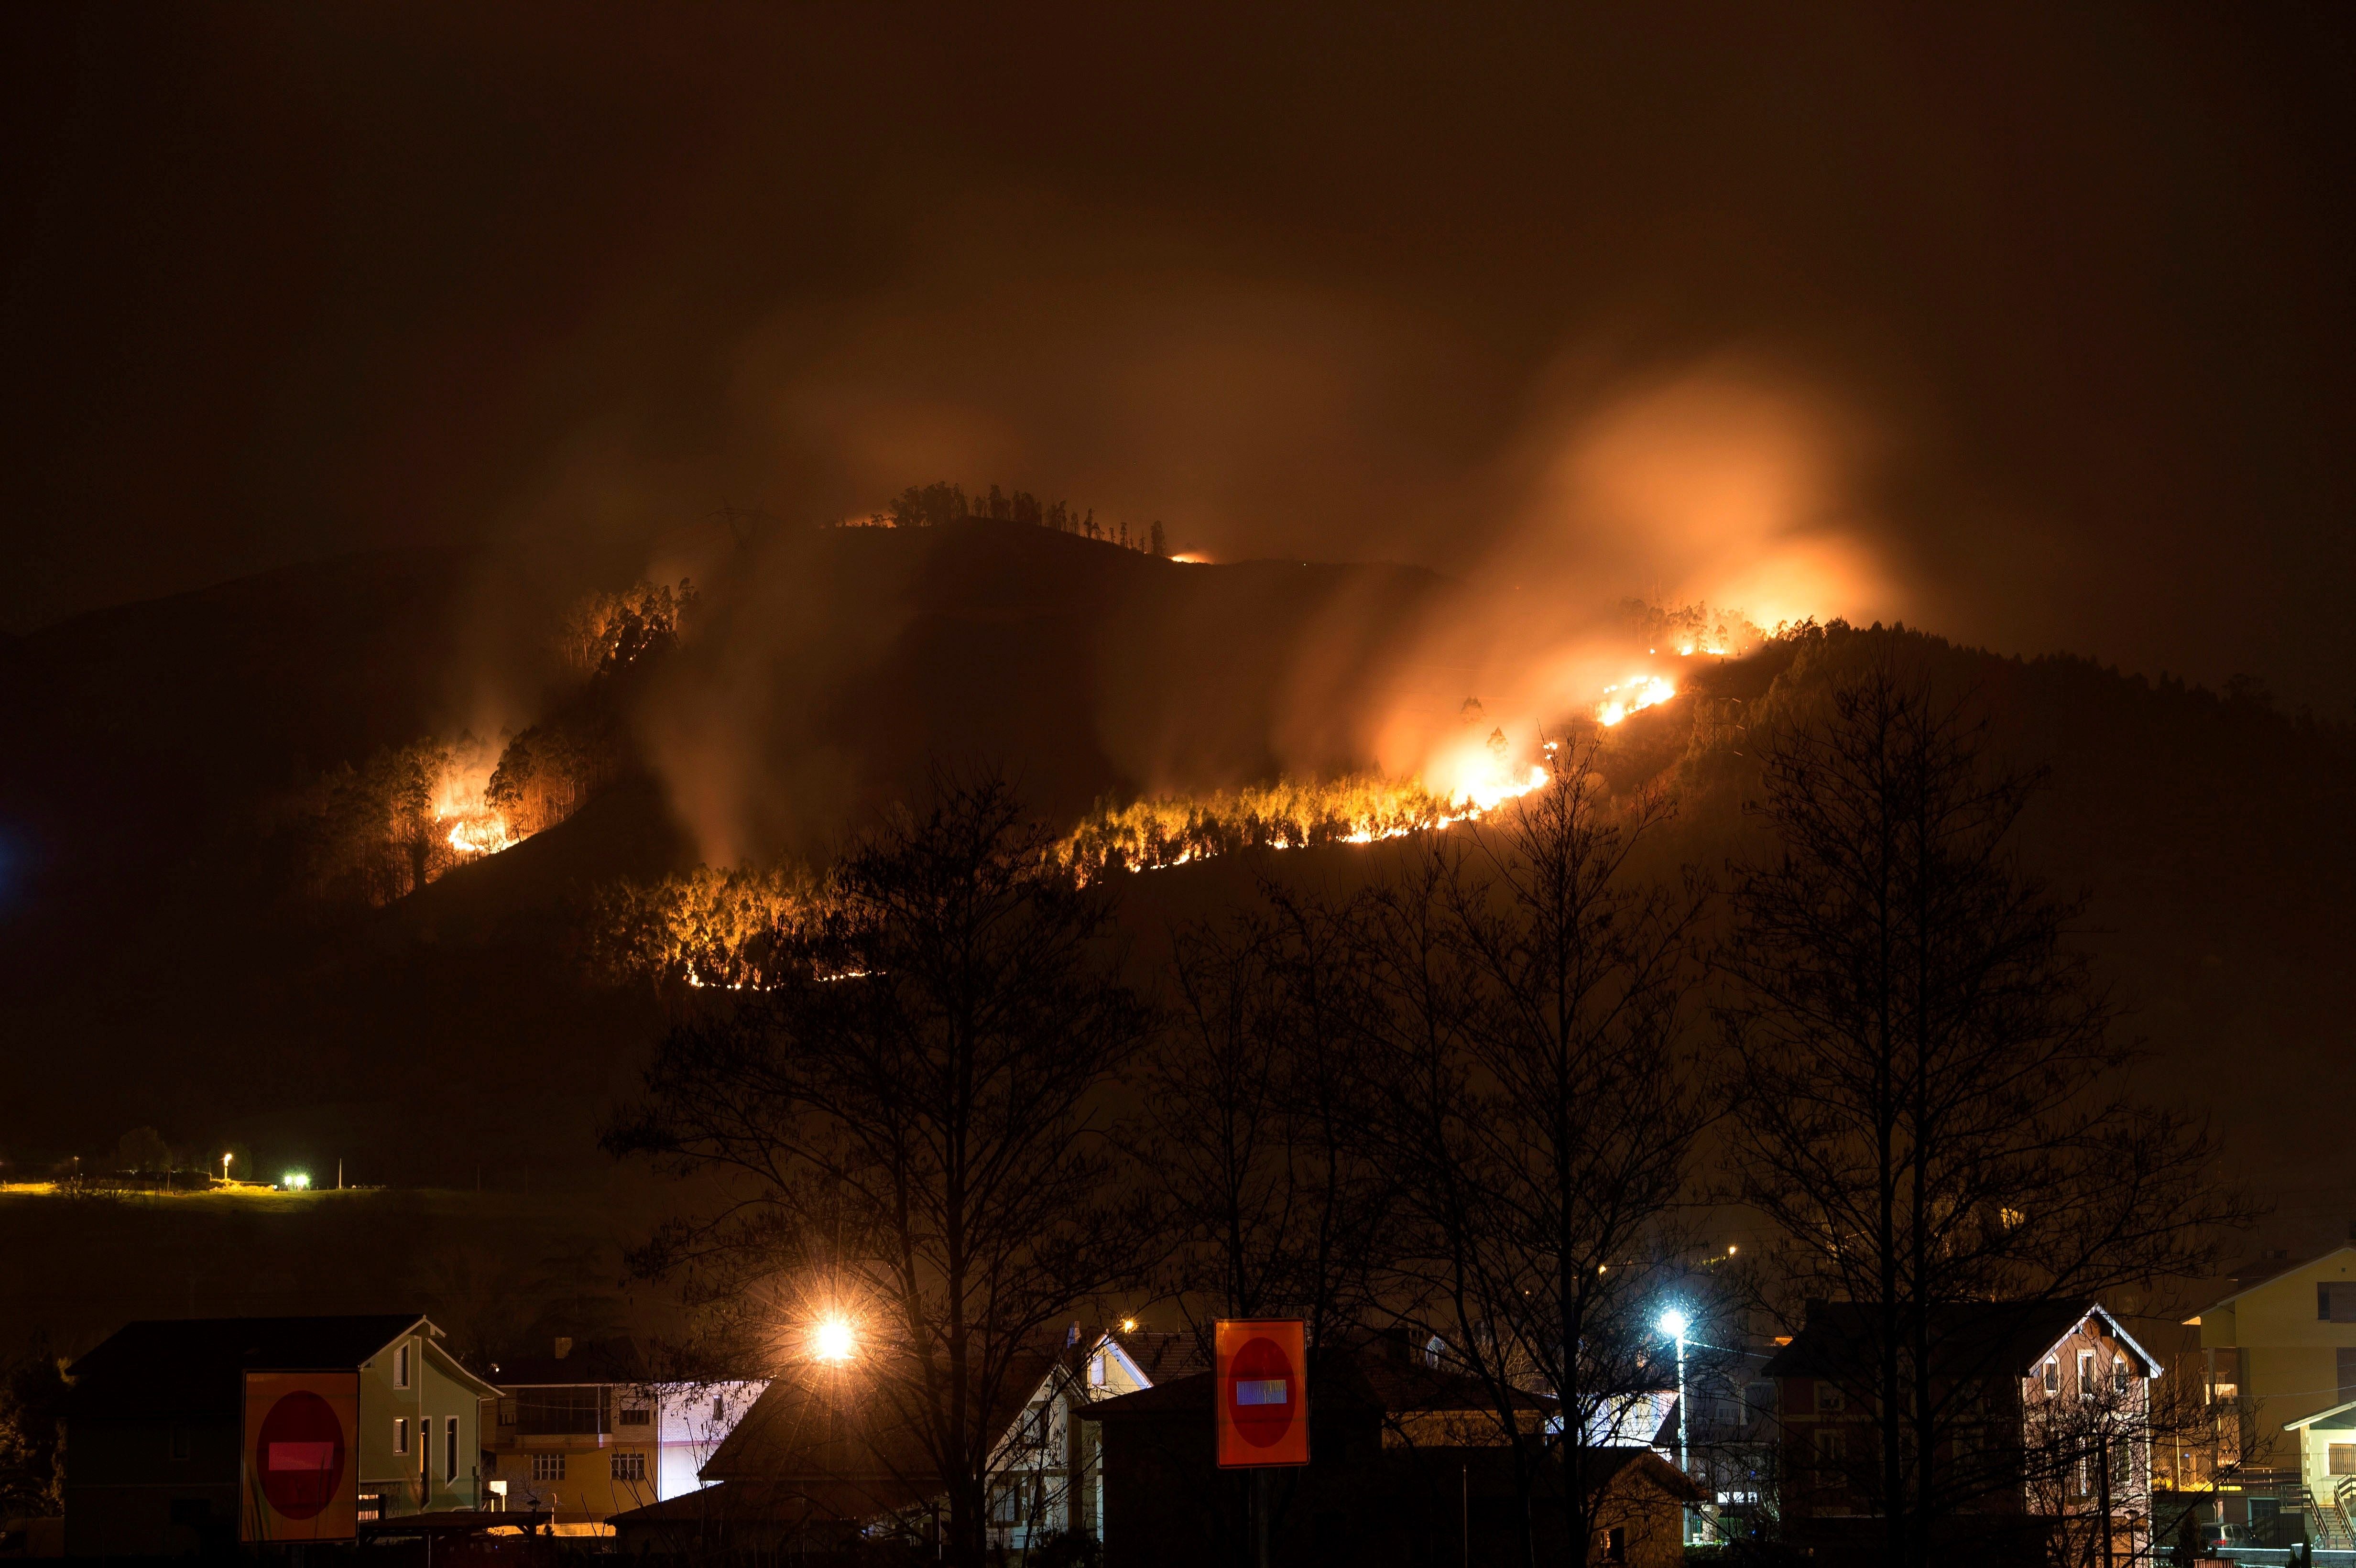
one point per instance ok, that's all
(1674, 1323)
(225, 1159)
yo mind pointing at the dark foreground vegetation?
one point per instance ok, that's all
(1483, 1100)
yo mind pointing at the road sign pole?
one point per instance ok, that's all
(1259, 1512)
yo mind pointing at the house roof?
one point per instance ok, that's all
(1605, 1466)
(1156, 1356)
(1971, 1337)
(196, 1364)
(2339, 1418)
(2283, 1272)
(816, 1424)
(1364, 1378)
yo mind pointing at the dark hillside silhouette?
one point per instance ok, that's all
(152, 973)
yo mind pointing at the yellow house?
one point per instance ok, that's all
(2285, 1348)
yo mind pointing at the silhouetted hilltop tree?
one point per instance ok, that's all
(941, 503)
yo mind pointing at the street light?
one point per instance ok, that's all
(225, 1159)
(1674, 1323)
(832, 1338)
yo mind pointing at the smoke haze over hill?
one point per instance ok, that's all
(2024, 326)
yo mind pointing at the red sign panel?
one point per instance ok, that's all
(1263, 1390)
(301, 1456)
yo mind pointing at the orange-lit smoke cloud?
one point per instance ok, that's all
(1726, 482)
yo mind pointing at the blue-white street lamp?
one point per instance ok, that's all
(1674, 1323)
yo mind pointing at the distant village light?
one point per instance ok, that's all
(296, 1180)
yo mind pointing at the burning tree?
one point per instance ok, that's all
(906, 1113)
(1929, 1101)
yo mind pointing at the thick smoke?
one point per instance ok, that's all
(1153, 375)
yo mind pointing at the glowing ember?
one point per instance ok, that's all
(1632, 696)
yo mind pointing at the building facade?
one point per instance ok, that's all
(586, 1434)
(2042, 1432)
(155, 1425)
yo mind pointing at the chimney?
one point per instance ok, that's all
(563, 1347)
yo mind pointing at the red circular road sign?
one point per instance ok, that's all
(299, 1455)
(1263, 1393)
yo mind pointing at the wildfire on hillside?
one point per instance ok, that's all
(468, 822)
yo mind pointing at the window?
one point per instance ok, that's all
(1096, 1371)
(1829, 1397)
(2053, 1375)
(2085, 1375)
(1615, 1545)
(2343, 1458)
(401, 1368)
(547, 1466)
(507, 1413)
(2122, 1374)
(372, 1506)
(450, 1449)
(719, 1408)
(636, 1415)
(401, 1435)
(630, 1466)
(2335, 1301)
(1828, 1447)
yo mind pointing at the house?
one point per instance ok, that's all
(2279, 1348)
(1047, 1477)
(1409, 1463)
(588, 1432)
(819, 1461)
(2042, 1428)
(155, 1425)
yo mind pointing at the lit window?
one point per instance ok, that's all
(401, 1435)
(547, 1466)
(630, 1466)
(1096, 1371)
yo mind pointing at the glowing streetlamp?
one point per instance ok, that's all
(1674, 1323)
(225, 1159)
(832, 1340)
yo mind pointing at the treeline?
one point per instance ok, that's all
(1468, 1103)
(941, 503)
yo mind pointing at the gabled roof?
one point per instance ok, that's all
(1367, 1379)
(821, 1423)
(2339, 1418)
(1154, 1358)
(195, 1363)
(1973, 1338)
(2283, 1272)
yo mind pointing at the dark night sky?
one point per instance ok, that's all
(2052, 305)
